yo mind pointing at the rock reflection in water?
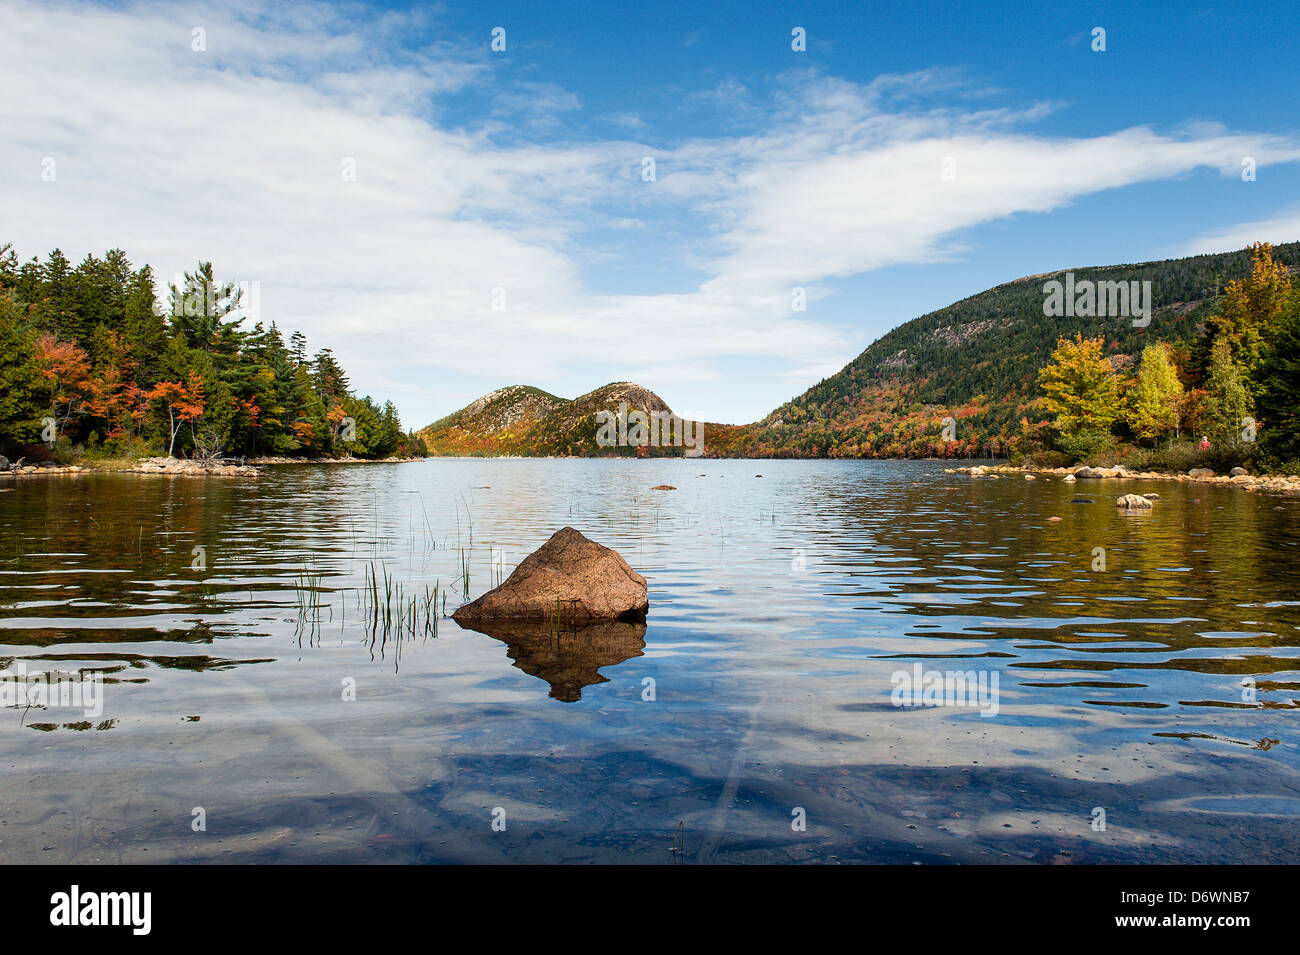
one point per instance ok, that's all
(569, 659)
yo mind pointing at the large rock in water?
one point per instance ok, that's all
(569, 577)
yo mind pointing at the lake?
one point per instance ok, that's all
(1140, 671)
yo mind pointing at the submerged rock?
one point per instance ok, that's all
(1132, 501)
(569, 579)
(663, 487)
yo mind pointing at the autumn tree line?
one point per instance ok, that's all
(92, 363)
(1230, 394)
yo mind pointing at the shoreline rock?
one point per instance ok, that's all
(1133, 502)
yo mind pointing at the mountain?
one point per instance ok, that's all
(526, 421)
(975, 361)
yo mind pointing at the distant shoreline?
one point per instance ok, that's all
(1285, 485)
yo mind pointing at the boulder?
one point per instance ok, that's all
(1083, 473)
(1238, 472)
(1133, 501)
(569, 578)
(1152, 496)
(4, 463)
(1200, 473)
(663, 487)
(1069, 479)
(1030, 477)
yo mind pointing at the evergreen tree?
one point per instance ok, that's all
(1279, 385)
(298, 348)
(24, 392)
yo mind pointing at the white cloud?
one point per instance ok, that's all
(1283, 228)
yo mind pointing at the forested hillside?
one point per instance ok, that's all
(977, 361)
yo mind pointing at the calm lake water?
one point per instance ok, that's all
(757, 696)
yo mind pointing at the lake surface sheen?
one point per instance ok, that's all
(758, 694)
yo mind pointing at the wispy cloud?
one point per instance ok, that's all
(1282, 228)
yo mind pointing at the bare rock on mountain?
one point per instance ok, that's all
(570, 578)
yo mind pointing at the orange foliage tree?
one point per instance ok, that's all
(184, 402)
(67, 369)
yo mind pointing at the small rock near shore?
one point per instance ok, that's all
(1132, 501)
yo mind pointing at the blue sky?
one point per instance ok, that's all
(514, 179)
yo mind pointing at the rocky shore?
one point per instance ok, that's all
(189, 467)
(1286, 485)
(174, 466)
(259, 462)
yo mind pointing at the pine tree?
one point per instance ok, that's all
(1279, 385)
(145, 328)
(24, 392)
(298, 348)
(199, 310)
